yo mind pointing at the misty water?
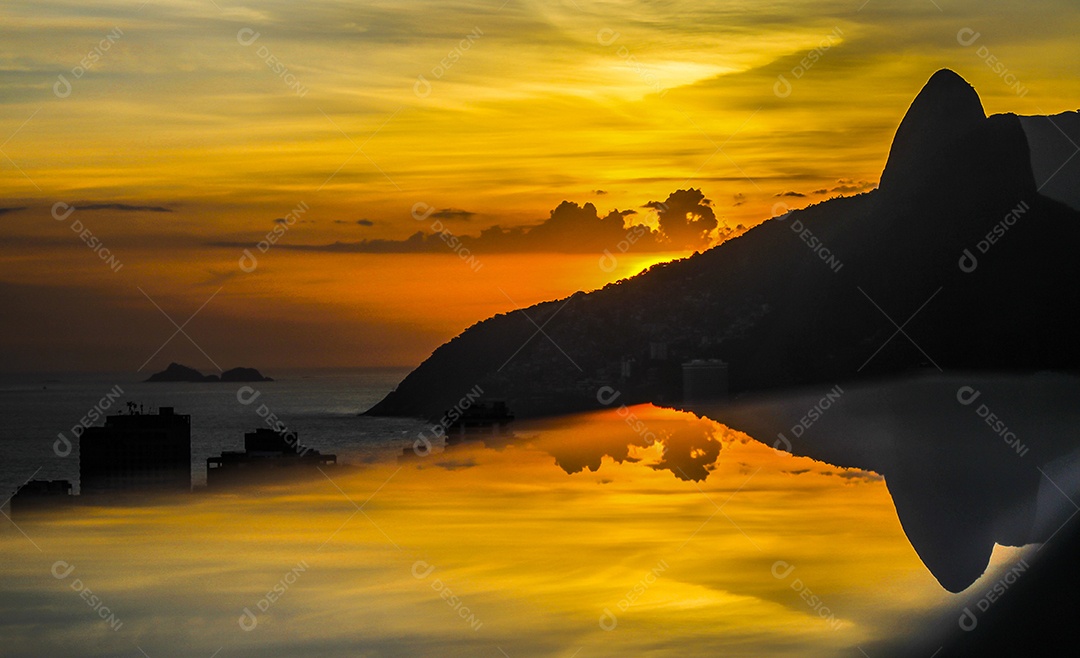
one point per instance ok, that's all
(616, 532)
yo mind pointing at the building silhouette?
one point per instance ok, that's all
(704, 379)
(136, 453)
(486, 417)
(267, 454)
(41, 496)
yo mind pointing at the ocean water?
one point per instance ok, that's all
(616, 532)
(575, 535)
(323, 406)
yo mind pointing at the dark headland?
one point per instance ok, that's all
(958, 241)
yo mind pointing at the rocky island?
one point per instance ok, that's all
(180, 373)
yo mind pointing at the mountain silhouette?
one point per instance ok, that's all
(946, 110)
(1055, 155)
(956, 262)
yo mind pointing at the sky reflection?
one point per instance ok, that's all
(575, 537)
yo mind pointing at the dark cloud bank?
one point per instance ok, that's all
(686, 221)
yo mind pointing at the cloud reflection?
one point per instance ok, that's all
(483, 548)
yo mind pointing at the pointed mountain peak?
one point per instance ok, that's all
(948, 80)
(946, 109)
(948, 99)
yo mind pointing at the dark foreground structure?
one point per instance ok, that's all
(267, 455)
(38, 496)
(136, 453)
(486, 417)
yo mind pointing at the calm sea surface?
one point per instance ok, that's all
(322, 406)
(618, 532)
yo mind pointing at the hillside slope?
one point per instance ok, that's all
(807, 298)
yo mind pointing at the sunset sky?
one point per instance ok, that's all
(181, 130)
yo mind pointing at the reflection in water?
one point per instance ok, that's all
(971, 461)
(688, 447)
(691, 540)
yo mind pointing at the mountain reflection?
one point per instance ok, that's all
(675, 532)
(971, 460)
